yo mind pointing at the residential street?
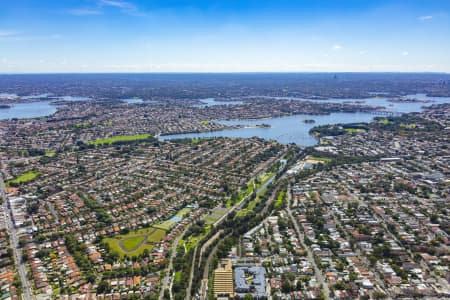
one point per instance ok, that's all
(317, 272)
(173, 253)
(14, 240)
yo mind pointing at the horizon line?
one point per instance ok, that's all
(227, 72)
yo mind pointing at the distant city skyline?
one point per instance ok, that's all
(43, 36)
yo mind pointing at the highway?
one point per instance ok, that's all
(14, 241)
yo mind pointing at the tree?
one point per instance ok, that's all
(378, 295)
(103, 287)
(286, 287)
(248, 297)
(22, 242)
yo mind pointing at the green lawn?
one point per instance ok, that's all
(279, 200)
(384, 121)
(183, 212)
(156, 236)
(50, 153)
(215, 215)
(354, 130)
(410, 126)
(82, 125)
(120, 138)
(24, 178)
(210, 220)
(321, 159)
(252, 204)
(135, 242)
(178, 276)
(192, 241)
(166, 225)
(264, 177)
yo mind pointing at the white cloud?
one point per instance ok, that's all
(405, 53)
(101, 6)
(18, 37)
(84, 12)
(123, 5)
(7, 33)
(425, 18)
(336, 47)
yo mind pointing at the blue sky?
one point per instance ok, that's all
(224, 36)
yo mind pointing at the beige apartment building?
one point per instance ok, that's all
(223, 280)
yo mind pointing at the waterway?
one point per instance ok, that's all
(34, 109)
(292, 129)
(405, 107)
(27, 110)
(289, 129)
(213, 102)
(133, 100)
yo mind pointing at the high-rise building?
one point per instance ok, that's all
(223, 280)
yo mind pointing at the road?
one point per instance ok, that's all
(205, 280)
(165, 281)
(444, 283)
(191, 275)
(236, 208)
(14, 241)
(362, 256)
(317, 272)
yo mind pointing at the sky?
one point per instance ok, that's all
(52, 36)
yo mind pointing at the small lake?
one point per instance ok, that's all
(292, 129)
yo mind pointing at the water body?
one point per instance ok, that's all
(28, 110)
(380, 101)
(213, 102)
(292, 129)
(35, 109)
(133, 100)
(73, 98)
(8, 96)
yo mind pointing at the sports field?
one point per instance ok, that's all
(24, 178)
(120, 138)
(215, 215)
(135, 242)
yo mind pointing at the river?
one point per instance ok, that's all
(292, 129)
(289, 129)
